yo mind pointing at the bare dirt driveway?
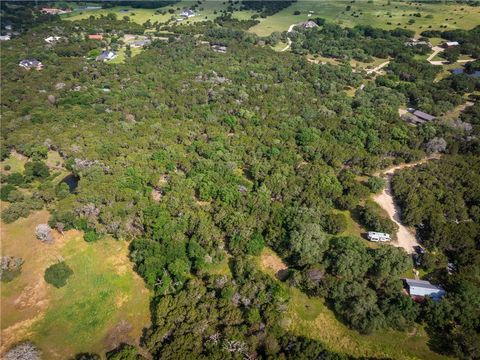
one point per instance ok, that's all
(406, 238)
(289, 41)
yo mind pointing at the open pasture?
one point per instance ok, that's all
(377, 13)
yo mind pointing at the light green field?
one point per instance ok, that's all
(120, 59)
(376, 13)
(311, 318)
(103, 303)
(16, 163)
(206, 12)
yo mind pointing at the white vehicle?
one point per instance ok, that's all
(378, 236)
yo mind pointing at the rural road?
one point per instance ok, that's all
(289, 42)
(378, 68)
(436, 51)
(406, 238)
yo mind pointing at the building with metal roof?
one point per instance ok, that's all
(423, 288)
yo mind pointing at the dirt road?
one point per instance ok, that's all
(289, 42)
(378, 68)
(405, 236)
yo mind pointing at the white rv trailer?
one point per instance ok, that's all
(378, 236)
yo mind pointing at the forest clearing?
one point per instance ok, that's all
(103, 304)
(311, 317)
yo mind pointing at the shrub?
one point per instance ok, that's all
(36, 169)
(15, 179)
(91, 236)
(335, 223)
(15, 211)
(5, 191)
(58, 274)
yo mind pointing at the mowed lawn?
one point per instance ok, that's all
(103, 303)
(310, 317)
(377, 13)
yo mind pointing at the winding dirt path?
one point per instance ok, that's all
(289, 41)
(406, 238)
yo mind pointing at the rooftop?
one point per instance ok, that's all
(421, 284)
(423, 115)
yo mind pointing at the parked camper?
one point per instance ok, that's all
(378, 236)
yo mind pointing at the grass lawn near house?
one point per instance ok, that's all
(120, 58)
(377, 13)
(310, 317)
(103, 303)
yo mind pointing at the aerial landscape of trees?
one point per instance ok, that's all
(202, 159)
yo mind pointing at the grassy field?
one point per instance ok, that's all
(377, 13)
(120, 59)
(310, 317)
(104, 302)
(206, 12)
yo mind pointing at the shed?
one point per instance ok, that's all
(422, 288)
(423, 116)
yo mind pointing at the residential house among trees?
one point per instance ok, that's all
(95, 37)
(31, 64)
(219, 48)
(450, 44)
(106, 56)
(188, 13)
(308, 24)
(419, 289)
(52, 39)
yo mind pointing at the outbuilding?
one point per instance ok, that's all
(419, 289)
(450, 44)
(424, 116)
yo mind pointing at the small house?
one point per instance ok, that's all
(419, 289)
(188, 13)
(378, 236)
(95, 37)
(5, 37)
(52, 39)
(450, 44)
(423, 116)
(106, 56)
(30, 64)
(309, 24)
(219, 48)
